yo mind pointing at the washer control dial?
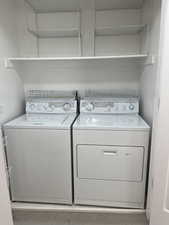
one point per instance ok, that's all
(67, 106)
(52, 107)
(49, 109)
(32, 106)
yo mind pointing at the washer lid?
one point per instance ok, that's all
(59, 121)
(113, 122)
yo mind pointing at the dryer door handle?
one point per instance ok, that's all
(110, 153)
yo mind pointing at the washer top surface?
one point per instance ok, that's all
(56, 121)
(110, 121)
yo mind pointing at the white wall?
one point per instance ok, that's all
(11, 93)
(26, 18)
(122, 77)
(117, 44)
(149, 85)
(160, 207)
(151, 15)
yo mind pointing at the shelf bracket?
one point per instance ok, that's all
(30, 5)
(8, 64)
(151, 60)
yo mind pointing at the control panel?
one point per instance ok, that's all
(49, 106)
(110, 105)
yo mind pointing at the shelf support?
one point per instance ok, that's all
(150, 60)
(8, 64)
(30, 5)
(88, 27)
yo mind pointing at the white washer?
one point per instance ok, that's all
(39, 154)
(110, 150)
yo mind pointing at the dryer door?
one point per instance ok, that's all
(110, 162)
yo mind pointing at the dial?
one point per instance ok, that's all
(50, 109)
(45, 108)
(90, 107)
(131, 107)
(67, 106)
(110, 106)
(32, 106)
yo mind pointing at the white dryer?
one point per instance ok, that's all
(110, 151)
(39, 152)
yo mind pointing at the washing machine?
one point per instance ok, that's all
(110, 151)
(38, 148)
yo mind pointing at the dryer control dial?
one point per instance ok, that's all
(110, 106)
(131, 107)
(90, 107)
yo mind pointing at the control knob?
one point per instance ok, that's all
(110, 107)
(131, 107)
(49, 108)
(32, 106)
(67, 106)
(90, 107)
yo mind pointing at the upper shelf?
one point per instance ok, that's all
(99, 31)
(120, 30)
(55, 33)
(139, 58)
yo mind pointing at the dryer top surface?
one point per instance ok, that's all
(110, 121)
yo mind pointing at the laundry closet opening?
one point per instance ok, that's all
(107, 47)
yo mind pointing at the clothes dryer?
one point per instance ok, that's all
(110, 150)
